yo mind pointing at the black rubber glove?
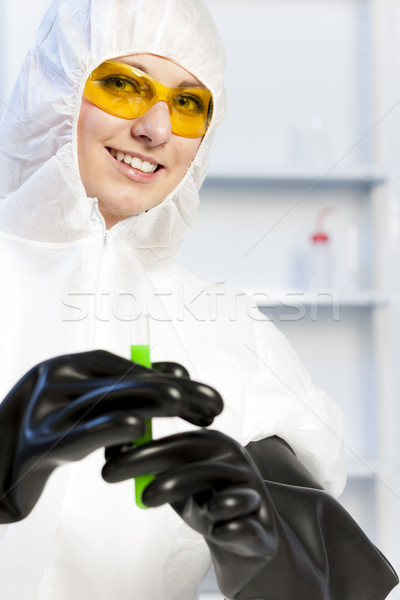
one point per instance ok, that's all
(268, 540)
(69, 406)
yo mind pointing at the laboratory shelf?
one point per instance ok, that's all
(330, 298)
(328, 177)
(359, 468)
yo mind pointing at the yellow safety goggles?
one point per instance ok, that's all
(127, 92)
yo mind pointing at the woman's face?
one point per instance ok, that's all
(104, 140)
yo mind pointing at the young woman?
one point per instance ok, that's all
(103, 149)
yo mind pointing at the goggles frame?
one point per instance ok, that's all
(124, 91)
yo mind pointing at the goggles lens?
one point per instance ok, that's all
(124, 91)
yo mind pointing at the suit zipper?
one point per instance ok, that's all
(105, 238)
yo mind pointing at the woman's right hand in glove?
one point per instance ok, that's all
(66, 407)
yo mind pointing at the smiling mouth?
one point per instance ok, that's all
(133, 161)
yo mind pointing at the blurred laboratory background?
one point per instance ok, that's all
(301, 208)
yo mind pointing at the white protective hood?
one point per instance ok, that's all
(70, 286)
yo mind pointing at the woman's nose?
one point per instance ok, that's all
(154, 126)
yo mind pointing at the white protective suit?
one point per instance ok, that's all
(70, 285)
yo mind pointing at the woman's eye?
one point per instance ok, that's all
(120, 85)
(189, 102)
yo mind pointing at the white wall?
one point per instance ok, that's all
(19, 21)
(308, 62)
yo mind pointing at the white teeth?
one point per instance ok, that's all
(147, 167)
(136, 163)
(153, 167)
(133, 161)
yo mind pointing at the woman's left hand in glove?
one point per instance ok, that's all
(214, 485)
(278, 536)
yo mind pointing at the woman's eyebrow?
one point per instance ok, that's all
(192, 84)
(184, 83)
